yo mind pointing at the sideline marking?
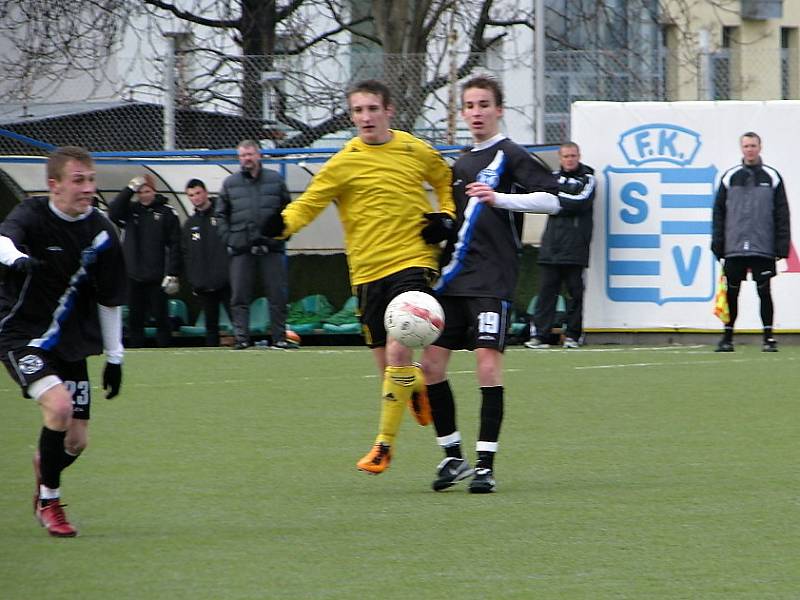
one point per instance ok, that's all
(616, 349)
(665, 364)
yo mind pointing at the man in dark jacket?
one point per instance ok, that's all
(151, 243)
(246, 200)
(564, 253)
(206, 258)
(750, 231)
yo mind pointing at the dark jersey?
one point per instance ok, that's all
(205, 256)
(484, 259)
(56, 308)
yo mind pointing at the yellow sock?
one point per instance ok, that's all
(397, 387)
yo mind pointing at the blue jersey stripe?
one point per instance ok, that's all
(489, 175)
(48, 340)
(456, 264)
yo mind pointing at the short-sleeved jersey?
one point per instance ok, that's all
(484, 259)
(379, 193)
(55, 308)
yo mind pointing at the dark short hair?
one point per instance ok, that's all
(750, 134)
(371, 86)
(570, 144)
(195, 183)
(484, 82)
(60, 156)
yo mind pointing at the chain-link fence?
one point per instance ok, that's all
(285, 101)
(617, 76)
(213, 102)
(741, 73)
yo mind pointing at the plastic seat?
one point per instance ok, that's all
(177, 310)
(199, 327)
(560, 315)
(178, 315)
(307, 314)
(225, 324)
(518, 326)
(259, 316)
(344, 321)
(561, 305)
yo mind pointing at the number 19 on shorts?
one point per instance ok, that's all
(489, 322)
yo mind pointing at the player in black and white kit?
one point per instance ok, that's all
(60, 301)
(494, 182)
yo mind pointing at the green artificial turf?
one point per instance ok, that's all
(623, 472)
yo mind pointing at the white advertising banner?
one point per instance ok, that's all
(658, 166)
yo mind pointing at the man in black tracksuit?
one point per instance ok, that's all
(750, 231)
(564, 252)
(206, 258)
(151, 244)
(247, 199)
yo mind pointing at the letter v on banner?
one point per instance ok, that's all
(686, 272)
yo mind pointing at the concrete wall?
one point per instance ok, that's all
(755, 48)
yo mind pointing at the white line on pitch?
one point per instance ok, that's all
(664, 364)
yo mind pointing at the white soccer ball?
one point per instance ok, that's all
(415, 319)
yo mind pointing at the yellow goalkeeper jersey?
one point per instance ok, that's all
(379, 193)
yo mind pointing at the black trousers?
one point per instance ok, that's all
(551, 278)
(211, 300)
(147, 299)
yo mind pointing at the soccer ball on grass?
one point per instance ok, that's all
(415, 319)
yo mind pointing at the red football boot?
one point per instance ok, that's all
(53, 518)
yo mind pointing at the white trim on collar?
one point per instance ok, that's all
(498, 137)
(65, 216)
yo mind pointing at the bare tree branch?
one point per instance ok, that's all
(288, 61)
(190, 17)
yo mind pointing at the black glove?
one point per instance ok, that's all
(274, 225)
(112, 379)
(572, 187)
(26, 264)
(440, 227)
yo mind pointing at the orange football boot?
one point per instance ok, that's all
(376, 460)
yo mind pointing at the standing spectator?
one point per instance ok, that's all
(248, 198)
(151, 237)
(59, 303)
(564, 253)
(750, 231)
(390, 233)
(495, 181)
(206, 258)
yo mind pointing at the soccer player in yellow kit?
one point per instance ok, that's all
(391, 236)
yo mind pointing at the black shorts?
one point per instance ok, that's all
(28, 365)
(471, 323)
(762, 268)
(373, 297)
